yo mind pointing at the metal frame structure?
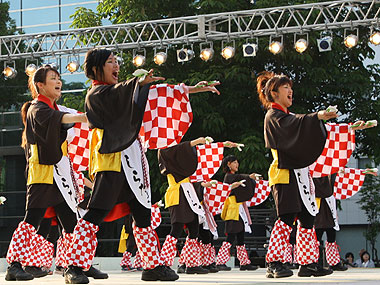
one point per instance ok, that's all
(187, 30)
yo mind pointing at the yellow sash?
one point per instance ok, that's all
(230, 209)
(123, 241)
(172, 193)
(276, 175)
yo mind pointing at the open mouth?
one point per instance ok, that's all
(290, 97)
(58, 88)
(115, 75)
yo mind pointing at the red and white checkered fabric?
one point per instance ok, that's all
(167, 116)
(22, 244)
(126, 260)
(155, 218)
(81, 251)
(242, 255)
(207, 254)
(184, 252)
(278, 242)
(192, 258)
(79, 179)
(223, 253)
(215, 197)
(168, 250)
(35, 257)
(147, 245)
(63, 244)
(339, 146)
(78, 139)
(210, 157)
(332, 253)
(137, 262)
(348, 184)
(307, 246)
(262, 191)
(288, 257)
(46, 251)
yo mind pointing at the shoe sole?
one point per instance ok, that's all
(9, 278)
(67, 281)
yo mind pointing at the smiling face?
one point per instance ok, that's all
(51, 88)
(110, 70)
(233, 166)
(283, 96)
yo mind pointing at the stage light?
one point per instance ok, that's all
(206, 54)
(228, 52)
(324, 44)
(138, 60)
(351, 40)
(9, 72)
(275, 47)
(185, 54)
(160, 58)
(375, 38)
(30, 69)
(249, 49)
(301, 45)
(72, 66)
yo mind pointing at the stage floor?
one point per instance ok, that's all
(352, 276)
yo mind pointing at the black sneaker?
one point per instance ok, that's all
(196, 270)
(339, 267)
(313, 269)
(181, 269)
(278, 270)
(75, 275)
(37, 272)
(212, 268)
(161, 272)
(95, 273)
(223, 267)
(59, 270)
(249, 267)
(16, 273)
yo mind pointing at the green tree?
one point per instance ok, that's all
(12, 91)
(338, 78)
(370, 204)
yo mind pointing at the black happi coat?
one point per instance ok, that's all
(299, 141)
(324, 187)
(241, 194)
(118, 109)
(181, 161)
(44, 128)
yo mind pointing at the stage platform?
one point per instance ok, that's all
(234, 277)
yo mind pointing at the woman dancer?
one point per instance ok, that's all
(117, 162)
(296, 141)
(44, 142)
(237, 220)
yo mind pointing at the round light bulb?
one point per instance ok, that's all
(30, 69)
(375, 38)
(301, 45)
(139, 60)
(350, 41)
(72, 66)
(228, 52)
(275, 47)
(160, 58)
(206, 54)
(9, 72)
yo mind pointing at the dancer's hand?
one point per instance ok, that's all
(256, 176)
(197, 141)
(324, 115)
(361, 125)
(237, 184)
(204, 86)
(150, 78)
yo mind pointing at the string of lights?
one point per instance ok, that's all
(226, 27)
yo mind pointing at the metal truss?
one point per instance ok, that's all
(273, 21)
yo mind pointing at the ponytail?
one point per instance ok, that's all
(268, 81)
(24, 112)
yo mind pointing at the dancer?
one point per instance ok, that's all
(296, 141)
(236, 215)
(117, 162)
(44, 142)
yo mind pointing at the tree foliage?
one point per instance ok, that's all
(11, 91)
(338, 78)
